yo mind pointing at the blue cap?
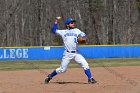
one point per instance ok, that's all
(69, 20)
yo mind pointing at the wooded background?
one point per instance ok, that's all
(28, 22)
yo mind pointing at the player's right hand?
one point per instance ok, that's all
(57, 19)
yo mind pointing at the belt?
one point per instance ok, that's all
(71, 51)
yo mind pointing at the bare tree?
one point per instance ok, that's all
(28, 22)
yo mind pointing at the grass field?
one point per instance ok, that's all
(51, 64)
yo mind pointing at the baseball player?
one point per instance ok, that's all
(69, 36)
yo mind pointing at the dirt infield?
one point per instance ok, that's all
(110, 80)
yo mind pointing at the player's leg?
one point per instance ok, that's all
(65, 61)
(80, 59)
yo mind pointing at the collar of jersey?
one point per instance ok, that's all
(69, 28)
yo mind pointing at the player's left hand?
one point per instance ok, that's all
(81, 40)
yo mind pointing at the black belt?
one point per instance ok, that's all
(71, 51)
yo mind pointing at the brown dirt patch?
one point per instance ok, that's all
(110, 80)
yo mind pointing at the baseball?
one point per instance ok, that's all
(58, 17)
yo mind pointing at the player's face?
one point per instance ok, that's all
(72, 24)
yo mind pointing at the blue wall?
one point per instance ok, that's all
(46, 53)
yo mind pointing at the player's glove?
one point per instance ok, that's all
(81, 39)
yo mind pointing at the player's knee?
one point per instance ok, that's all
(86, 67)
(60, 70)
(63, 70)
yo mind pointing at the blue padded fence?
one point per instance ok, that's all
(51, 52)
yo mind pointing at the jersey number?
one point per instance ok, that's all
(75, 40)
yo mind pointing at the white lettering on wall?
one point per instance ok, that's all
(25, 53)
(14, 53)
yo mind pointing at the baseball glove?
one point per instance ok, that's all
(81, 40)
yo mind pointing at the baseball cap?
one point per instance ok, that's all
(69, 20)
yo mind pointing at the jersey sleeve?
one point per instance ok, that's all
(81, 34)
(55, 30)
(59, 32)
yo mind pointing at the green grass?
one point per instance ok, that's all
(51, 64)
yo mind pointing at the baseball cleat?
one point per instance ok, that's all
(92, 81)
(47, 80)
